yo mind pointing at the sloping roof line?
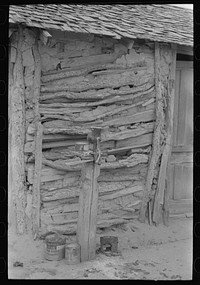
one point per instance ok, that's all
(162, 23)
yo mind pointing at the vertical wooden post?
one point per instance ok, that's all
(156, 147)
(169, 141)
(11, 214)
(17, 139)
(165, 159)
(38, 144)
(88, 204)
(36, 181)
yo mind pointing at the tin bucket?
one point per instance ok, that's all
(72, 253)
(55, 247)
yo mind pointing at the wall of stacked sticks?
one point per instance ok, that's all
(86, 81)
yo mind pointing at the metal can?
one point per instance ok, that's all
(55, 247)
(72, 253)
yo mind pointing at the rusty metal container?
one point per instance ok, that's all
(55, 247)
(72, 253)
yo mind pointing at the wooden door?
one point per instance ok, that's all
(180, 176)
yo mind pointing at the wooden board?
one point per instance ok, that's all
(182, 151)
(36, 181)
(182, 109)
(177, 88)
(183, 181)
(88, 199)
(181, 206)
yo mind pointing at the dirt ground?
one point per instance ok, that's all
(145, 252)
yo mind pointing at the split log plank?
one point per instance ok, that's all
(96, 95)
(91, 60)
(36, 182)
(156, 148)
(16, 140)
(131, 161)
(87, 212)
(67, 130)
(107, 111)
(59, 137)
(77, 79)
(56, 144)
(133, 148)
(124, 192)
(143, 129)
(64, 111)
(112, 81)
(38, 143)
(134, 93)
(77, 71)
(143, 140)
(37, 80)
(131, 119)
(162, 190)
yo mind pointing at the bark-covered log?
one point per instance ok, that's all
(91, 60)
(143, 140)
(128, 133)
(17, 139)
(133, 160)
(63, 111)
(97, 95)
(73, 181)
(103, 81)
(102, 112)
(36, 181)
(59, 137)
(70, 72)
(123, 192)
(116, 96)
(77, 79)
(162, 193)
(76, 130)
(156, 147)
(49, 174)
(145, 116)
(47, 145)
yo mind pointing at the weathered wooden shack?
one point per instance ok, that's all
(124, 68)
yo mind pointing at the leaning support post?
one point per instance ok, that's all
(165, 158)
(169, 141)
(156, 146)
(88, 201)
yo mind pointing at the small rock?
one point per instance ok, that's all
(111, 158)
(85, 274)
(122, 128)
(18, 264)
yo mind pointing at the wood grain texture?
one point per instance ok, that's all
(182, 110)
(17, 138)
(86, 227)
(165, 158)
(37, 179)
(157, 133)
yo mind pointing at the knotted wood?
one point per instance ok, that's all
(156, 147)
(162, 195)
(17, 138)
(38, 145)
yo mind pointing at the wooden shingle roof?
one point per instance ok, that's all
(162, 23)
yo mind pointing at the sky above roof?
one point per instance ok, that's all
(188, 6)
